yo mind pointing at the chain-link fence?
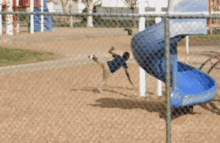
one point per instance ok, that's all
(75, 83)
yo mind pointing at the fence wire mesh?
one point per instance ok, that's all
(53, 82)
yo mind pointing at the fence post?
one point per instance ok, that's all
(32, 17)
(168, 81)
(71, 21)
(42, 16)
(1, 17)
(9, 18)
(187, 49)
(187, 45)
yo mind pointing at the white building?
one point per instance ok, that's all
(79, 5)
(123, 3)
(126, 3)
(50, 5)
(58, 8)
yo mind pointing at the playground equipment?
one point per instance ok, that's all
(158, 10)
(213, 9)
(190, 85)
(48, 24)
(217, 56)
(38, 23)
(7, 6)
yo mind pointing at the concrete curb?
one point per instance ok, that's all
(65, 63)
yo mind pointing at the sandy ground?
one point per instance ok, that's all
(58, 105)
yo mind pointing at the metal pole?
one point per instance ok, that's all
(187, 49)
(158, 10)
(142, 74)
(71, 17)
(32, 17)
(170, 8)
(42, 16)
(157, 20)
(159, 88)
(1, 17)
(71, 21)
(9, 18)
(168, 82)
(187, 45)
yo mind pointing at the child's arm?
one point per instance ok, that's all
(112, 53)
(128, 76)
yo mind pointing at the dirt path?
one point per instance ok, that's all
(54, 102)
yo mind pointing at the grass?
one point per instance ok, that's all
(207, 37)
(20, 56)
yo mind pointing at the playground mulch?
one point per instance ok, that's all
(60, 106)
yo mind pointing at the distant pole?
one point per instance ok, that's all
(79, 6)
(9, 19)
(159, 88)
(71, 21)
(158, 10)
(143, 75)
(42, 16)
(1, 18)
(71, 17)
(32, 17)
(157, 20)
(187, 49)
(187, 45)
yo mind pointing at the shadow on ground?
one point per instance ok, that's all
(150, 106)
(135, 103)
(112, 89)
(211, 107)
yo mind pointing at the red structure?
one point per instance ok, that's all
(213, 9)
(22, 4)
(26, 3)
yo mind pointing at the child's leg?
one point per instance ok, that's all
(106, 72)
(94, 58)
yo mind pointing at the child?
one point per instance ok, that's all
(110, 67)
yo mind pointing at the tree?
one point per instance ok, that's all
(132, 4)
(89, 9)
(89, 5)
(64, 5)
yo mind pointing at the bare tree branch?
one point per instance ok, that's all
(130, 3)
(64, 4)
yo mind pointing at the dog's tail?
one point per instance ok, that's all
(129, 31)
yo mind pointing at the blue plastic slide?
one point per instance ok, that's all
(190, 85)
(48, 24)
